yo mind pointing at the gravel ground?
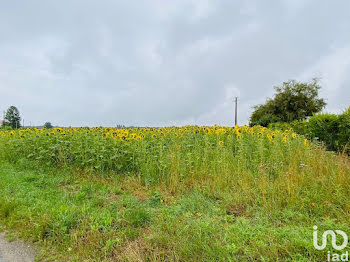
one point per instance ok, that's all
(15, 251)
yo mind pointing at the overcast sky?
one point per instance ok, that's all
(166, 62)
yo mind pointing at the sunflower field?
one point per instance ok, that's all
(153, 153)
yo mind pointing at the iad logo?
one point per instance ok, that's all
(335, 256)
(334, 239)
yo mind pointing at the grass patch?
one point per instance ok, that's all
(74, 216)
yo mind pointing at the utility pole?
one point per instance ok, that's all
(236, 100)
(23, 123)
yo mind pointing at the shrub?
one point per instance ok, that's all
(344, 131)
(300, 127)
(333, 130)
(325, 127)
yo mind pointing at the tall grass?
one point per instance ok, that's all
(176, 194)
(154, 154)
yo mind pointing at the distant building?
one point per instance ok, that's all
(1, 122)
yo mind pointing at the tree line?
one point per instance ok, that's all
(12, 119)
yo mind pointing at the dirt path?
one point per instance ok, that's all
(15, 251)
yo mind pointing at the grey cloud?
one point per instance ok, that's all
(165, 62)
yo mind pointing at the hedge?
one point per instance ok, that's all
(333, 130)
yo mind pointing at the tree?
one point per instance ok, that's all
(48, 125)
(12, 117)
(293, 101)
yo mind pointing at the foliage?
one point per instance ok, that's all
(12, 117)
(156, 153)
(324, 127)
(344, 131)
(263, 118)
(218, 193)
(300, 127)
(48, 125)
(293, 101)
(333, 130)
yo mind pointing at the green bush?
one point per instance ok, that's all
(333, 130)
(344, 131)
(324, 127)
(300, 127)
